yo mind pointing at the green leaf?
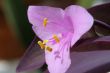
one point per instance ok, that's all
(85, 3)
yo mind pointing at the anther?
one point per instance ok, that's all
(48, 48)
(56, 38)
(41, 45)
(45, 22)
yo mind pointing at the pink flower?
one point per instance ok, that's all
(59, 30)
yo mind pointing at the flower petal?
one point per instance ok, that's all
(32, 59)
(55, 22)
(58, 60)
(82, 21)
(58, 63)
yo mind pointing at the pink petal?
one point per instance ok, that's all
(58, 60)
(82, 21)
(58, 63)
(57, 22)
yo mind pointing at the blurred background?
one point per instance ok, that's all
(15, 30)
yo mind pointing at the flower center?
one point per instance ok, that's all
(63, 47)
(54, 39)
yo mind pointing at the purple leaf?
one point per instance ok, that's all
(102, 24)
(96, 54)
(105, 39)
(102, 14)
(32, 59)
(93, 44)
(105, 68)
(85, 61)
(104, 27)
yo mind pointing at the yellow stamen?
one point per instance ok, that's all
(56, 38)
(45, 41)
(41, 44)
(48, 48)
(45, 22)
